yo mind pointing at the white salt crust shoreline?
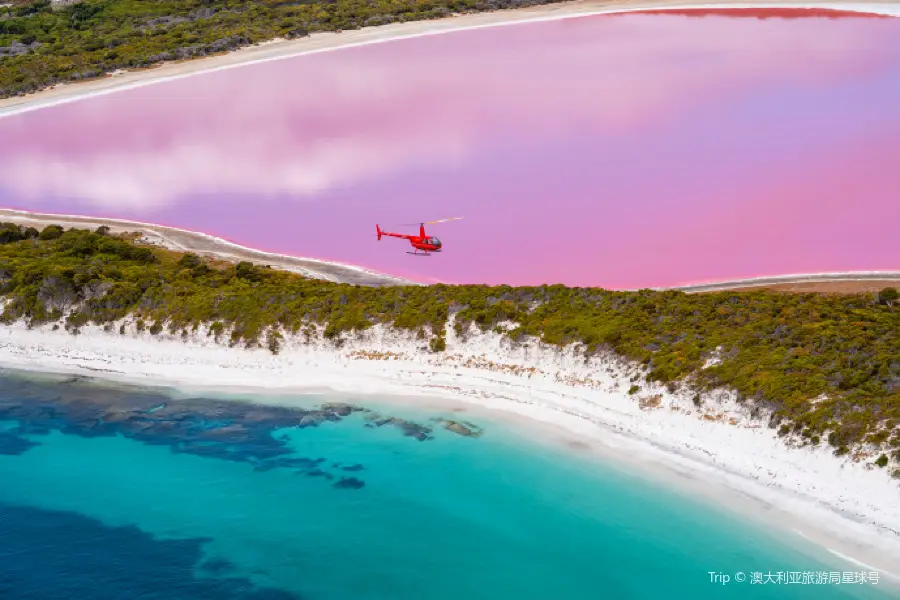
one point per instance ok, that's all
(849, 508)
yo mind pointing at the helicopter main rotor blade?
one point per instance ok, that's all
(443, 220)
(430, 222)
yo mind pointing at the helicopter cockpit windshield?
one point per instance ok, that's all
(434, 241)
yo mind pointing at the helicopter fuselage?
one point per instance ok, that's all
(423, 241)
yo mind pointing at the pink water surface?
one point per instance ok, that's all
(620, 151)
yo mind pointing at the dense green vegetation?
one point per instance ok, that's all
(42, 43)
(828, 365)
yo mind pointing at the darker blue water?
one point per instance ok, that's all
(53, 554)
(112, 492)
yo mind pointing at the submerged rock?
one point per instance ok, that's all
(462, 428)
(349, 483)
(319, 473)
(341, 409)
(409, 428)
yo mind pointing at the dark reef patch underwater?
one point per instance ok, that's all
(53, 554)
(223, 429)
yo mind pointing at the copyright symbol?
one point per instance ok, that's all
(739, 576)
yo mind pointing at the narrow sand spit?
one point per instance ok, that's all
(207, 245)
(848, 507)
(841, 283)
(323, 42)
(213, 247)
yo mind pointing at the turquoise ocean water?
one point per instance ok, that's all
(119, 492)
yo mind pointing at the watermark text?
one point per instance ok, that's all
(794, 577)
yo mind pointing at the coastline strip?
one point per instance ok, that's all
(840, 504)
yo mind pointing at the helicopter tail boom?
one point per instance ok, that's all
(381, 232)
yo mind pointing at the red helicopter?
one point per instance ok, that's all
(424, 242)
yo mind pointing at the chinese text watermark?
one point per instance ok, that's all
(794, 577)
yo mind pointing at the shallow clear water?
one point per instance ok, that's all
(114, 492)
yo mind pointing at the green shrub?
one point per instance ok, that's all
(888, 296)
(274, 341)
(437, 344)
(51, 232)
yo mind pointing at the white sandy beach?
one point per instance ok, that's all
(324, 42)
(847, 507)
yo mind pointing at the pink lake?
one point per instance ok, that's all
(617, 151)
